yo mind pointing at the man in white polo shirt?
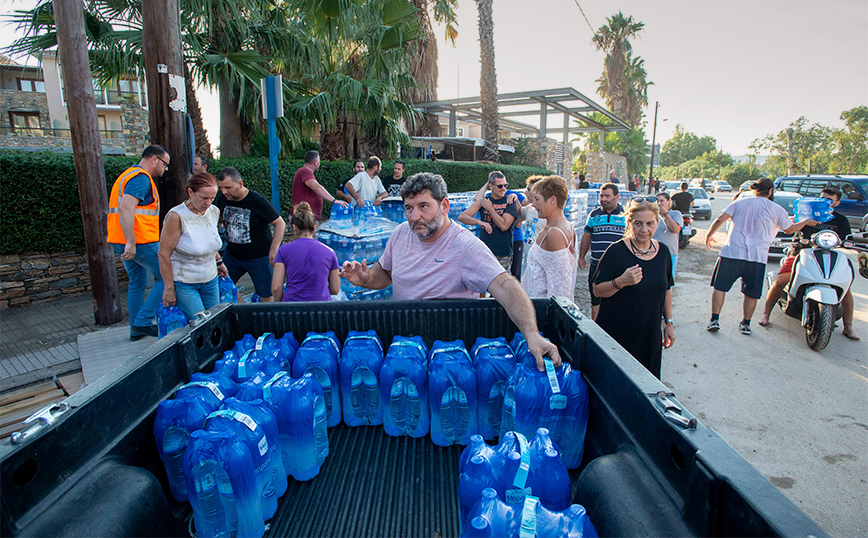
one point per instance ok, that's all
(431, 257)
(366, 186)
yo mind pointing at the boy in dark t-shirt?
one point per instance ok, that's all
(393, 183)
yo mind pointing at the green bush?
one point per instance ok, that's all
(41, 210)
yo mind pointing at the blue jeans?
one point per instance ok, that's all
(142, 310)
(194, 298)
(258, 268)
(674, 263)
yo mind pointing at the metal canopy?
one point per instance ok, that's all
(567, 103)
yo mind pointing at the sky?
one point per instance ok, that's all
(735, 70)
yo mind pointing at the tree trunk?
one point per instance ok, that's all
(423, 67)
(87, 150)
(231, 126)
(331, 145)
(203, 146)
(488, 81)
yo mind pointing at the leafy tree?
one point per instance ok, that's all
(685, 146)
(488, 80)
(632, 145)
(623, 83)
(797, 148)
(852, 156)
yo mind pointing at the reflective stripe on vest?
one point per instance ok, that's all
(147, 217)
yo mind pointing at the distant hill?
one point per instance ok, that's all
(760, 159)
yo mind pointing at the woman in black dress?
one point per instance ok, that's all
(634, 280)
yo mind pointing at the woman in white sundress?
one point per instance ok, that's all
(552, 260)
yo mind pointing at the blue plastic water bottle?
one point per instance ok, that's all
(173, 424)
(819, 209)
(252, 434)
(476, 447)
(302, 421)
(220, 478)
(169, 318)
(260, 412)
(247, 343)
(318, 355)
(287, 345)
(252, 388)
(360, 364)
(210, 393)
(477, 475)
(492, 517)
(228, 290)
(219, 378)
(341, 216)
(494, 361)
(549, 479)
(404, 388)
(452, 394)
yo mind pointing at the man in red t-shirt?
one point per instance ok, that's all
(305, 187)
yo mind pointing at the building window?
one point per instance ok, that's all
(460, 131)
(25, 123)
(31, 85)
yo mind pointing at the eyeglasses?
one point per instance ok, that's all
(162, 161)
(503, 186)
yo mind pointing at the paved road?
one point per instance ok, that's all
(798, 416)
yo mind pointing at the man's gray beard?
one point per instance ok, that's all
(431, 229)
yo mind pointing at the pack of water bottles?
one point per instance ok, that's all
(393, 209)
(458, 202)
(819, 209)
(576, 211)
(348, 248)
(515, 468)
(492, 517)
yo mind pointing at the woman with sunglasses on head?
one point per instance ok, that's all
(634, 280)
(552, 260)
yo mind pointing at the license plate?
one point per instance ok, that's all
(685, 230)
(780, 244)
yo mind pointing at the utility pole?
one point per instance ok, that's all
(87, 151)
(167, 95)
(653, 140)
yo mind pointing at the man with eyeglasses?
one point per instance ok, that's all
(133, 226)
(497, 214)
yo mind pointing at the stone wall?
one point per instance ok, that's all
(35, 278)
(136, 135)
(14, 99)
(599, 164)
(544, 152)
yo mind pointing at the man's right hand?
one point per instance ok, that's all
(485, 226)
(582, 263)
(129, 252)
(360, 202)
(169, 298)
(355, 272)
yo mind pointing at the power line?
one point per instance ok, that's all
(585, 16)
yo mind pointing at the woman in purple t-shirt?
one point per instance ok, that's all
(307, 267)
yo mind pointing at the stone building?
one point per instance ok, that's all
(33, 110)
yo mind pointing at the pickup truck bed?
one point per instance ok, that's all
(95, 472)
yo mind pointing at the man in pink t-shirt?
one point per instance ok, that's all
(305, 187)
(431, 257)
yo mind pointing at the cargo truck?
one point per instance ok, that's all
(89, 466)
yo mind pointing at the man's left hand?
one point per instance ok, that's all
(271, 256)
(378, 201)
(540, 347)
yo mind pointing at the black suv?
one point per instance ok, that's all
(854, 194)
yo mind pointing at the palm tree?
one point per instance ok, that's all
(488, 81)
(423, 57)
(613, 38)
(636, 85)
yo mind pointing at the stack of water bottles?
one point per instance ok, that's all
(230, 439)
(393, 209)
(576, 211)
(819, 209)
(458, 202)
(518, 488)
(356, 234)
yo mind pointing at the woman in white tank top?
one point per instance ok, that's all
(189, 262)
(552, 260)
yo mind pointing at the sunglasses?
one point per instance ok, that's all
(505, 185)
(637, 199)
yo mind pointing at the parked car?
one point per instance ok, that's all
(854, 190)
(745, 186)
(673, 186)
(785, 200)
(701, 203)
(722, 186)
(703, 183)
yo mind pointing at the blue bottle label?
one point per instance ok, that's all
(487, 345)
(260, 341)
(263, 446)
(365, 337)
(524, 467)
(242, 365)
(558, 401)
(446, 349)
(406, 343)
(553, 377)
(208, 385)
(266, 389)
(528, 518)
(517, 496)
(322, 337)
(235, 415)
(205, 482)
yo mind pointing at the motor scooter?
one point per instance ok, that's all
(820, 278)
(687, 230)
